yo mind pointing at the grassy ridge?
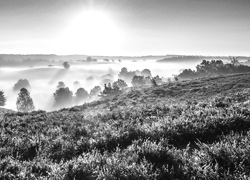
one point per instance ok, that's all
(146, 133)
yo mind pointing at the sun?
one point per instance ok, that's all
(92, 32)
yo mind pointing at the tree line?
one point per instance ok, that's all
(214, 68)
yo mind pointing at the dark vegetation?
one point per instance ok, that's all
(214, 68)
(90, 59)
(95, 91)
(24, 101)
(66, 65)
(60, 85)
(63, 97)
(129, 75)
(2, 98)
(81, 95)
(176, 59)
(116, 88)
(198, 129)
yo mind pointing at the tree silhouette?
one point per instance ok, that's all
(214, 68)
(22, 83)
(146, 73)
(66, 65)
(115, 87)
(127, 75)
(107, 90)
(24, 101)
(63, 97)
(234, 60)
(120, 84)
(2, 98)
(138, 81)
(89, 59)
(60, 85)
(81, 95)
(95, 91)
(158, 80)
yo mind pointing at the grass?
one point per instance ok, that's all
(195, 129)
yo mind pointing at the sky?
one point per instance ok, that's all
(125, 27)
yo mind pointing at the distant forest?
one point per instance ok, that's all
(198, 58)
(214, 68)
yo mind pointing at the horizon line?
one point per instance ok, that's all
(48, 54)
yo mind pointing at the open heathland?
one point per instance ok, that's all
(197, 129)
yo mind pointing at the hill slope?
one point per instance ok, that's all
(196, 129)
(199, 89)
(4, 111)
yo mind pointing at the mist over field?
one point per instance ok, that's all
(44, 79)
(125, 89)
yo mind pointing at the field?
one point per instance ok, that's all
(198, 129)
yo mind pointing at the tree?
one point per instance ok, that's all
(234, 60)
(187, 73)
(81, 95)
(147, 80)
(115, 87)
(120, 84)
(146, 73)
(63, 97)
(60, 85)
(66, 65)
(21, 83)
(109, 85)
(95, 91)
(107, 90)
(126, 75)
(158, 80)
(138, 81)
(24, 101)
(2, 98)
(89, 59)
(123, 72)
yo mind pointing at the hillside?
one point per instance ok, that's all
(196, 129)
(4, 111)
(201, 89)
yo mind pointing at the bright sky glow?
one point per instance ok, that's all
(125, 27)
(90, 31)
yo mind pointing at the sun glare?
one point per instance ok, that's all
(92, 32)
